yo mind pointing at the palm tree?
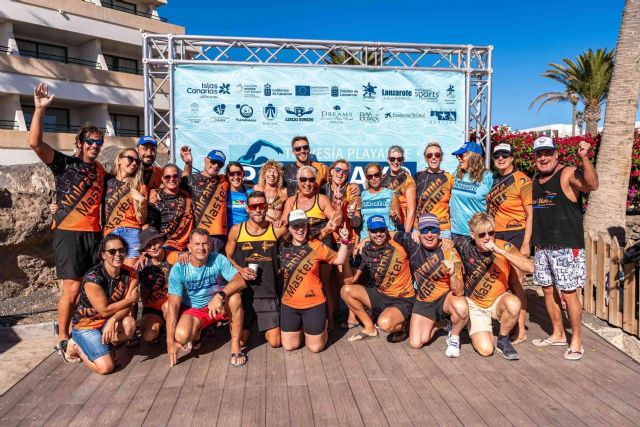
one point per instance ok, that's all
(588, 77)
(607, 206)
(566, 96)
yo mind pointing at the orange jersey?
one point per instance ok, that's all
(209, 202)
(300, 267)
(152, 177)
(79, 193)
(119, 209)
(173, 216)
(507, 199)
(430, 275)
(399, 184)
(154, 279)
(389, 270)
(433, 191)
(350, 196)
(486, 275)
(115, 289)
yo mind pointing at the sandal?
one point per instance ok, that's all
(238, 356)
(63, 350)
(397, 337)
(348, 325)
(517, 340)
(361, 336)
(573, 355)
(547, 343)
(196, 344)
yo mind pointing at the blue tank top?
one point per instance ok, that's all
(236, 207)
(376, 204)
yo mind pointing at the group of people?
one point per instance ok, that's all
(406, 255)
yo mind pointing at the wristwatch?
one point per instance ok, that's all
(223, 295)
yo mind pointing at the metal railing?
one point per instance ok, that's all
(60, 128)
(128, 132)
(126, 70)
(5, 49)
(133, 12)
(59, 58)
(9, 124)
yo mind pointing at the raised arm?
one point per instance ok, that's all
(41, 100)
(586, 179)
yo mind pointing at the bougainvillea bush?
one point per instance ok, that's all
(522, 144)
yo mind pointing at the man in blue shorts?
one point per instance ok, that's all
(198, 298)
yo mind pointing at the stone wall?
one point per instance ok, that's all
(633, 228)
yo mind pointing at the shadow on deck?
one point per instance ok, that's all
(372, 383)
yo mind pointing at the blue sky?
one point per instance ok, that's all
(526, 35)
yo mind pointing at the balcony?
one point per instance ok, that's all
(59, 58)
(127, 8)
(9, 124)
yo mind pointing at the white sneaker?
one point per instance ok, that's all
(453, 346)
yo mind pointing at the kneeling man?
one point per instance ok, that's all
(197, 298)
(488, 272)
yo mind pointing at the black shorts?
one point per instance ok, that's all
(380, 301)
(75, 252)
(262, 313)
(312, 320)
(515, 237)
(433, 310)
(154, 311)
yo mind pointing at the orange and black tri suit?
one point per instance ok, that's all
(119, 209)
(506, 202)
(434, 191)
(154, 281)
(173, 216)
(210, 205)
(152, 177)
(399, 184)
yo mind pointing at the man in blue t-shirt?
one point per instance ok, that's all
(197, 299)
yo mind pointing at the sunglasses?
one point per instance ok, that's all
(235, 173)
(483, 234)
(377, 230)
(301, 148)
(396, 159)
(217, 162)
(114, 251)
(131, 159)
(432, 230)
(341, 170)
(305, 179)
(501, 156)
(374, 175)
(92, 141)
(459, 156)
(431, 155)
(258, 206)
(175, 176)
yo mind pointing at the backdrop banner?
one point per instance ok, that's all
(252, 112)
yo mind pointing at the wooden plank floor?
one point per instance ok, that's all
(363, 383)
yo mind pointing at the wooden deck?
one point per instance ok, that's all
(372, 383)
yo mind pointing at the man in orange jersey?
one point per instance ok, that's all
(147, 148)
(80, 182)
(391, 294)
(302, 152)
(488, 273)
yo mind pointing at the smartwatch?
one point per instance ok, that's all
(223, 295)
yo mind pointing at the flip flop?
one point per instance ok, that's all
(573, 355)
(547, 343)
(196, 344)
(396, 337)
(361, 336)
(519, 340)
(238, 356)
(347, 325)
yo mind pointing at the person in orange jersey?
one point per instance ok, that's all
(403, 185)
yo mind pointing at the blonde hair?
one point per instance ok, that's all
(481, 220)
(432, 144)
(271, 164)
(476, 167)
(136, 180)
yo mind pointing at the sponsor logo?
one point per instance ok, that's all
(444, 116)
(429, 95)
(391, 115)
(249, 90)
(247, 246)
(451, 92)
(270, 112)
(335, 91)
(371, 115)
(299, 113)
(211, 89)
(336, 115)
(195, 108)
(396, 94)
(267, 89)
(303, 90)
(369, 91)
(219, 109)
(256, 257)
(224, 89)
(194, 113)
(246, 112)
(267, 245)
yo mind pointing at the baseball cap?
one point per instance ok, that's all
(217, 155)
(502, 149)
(376, 221)
(148, 235)
(428, 220)
(144, 140)
(298, 216)
(544, 143)
(474, 147)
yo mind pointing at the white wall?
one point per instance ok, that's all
(7, 38)
(10, 110)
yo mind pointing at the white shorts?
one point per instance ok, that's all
(563, 267)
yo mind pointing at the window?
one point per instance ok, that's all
(120, 5)
(55, 119)
(125, 124)
(125, 65)
(42, 50)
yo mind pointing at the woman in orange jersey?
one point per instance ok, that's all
(303, 308)
(271, 183)
(433, 187)
(402, 184)
(125, 202)
(101, 319)
(509, 202)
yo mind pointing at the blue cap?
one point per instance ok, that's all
(144, 140)
(376, 221)
(217, 155)
(474, 147)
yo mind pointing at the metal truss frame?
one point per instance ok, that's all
(161, 52)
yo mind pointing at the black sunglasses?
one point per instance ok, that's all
(301, 147)
(169, 177)
(92, 141)
(114, 251)
(432, 230)
(377, 230)
(483, 234)
(396, 159)
(501, 156)
(305, 179)
(374, 175)
(131, 159)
